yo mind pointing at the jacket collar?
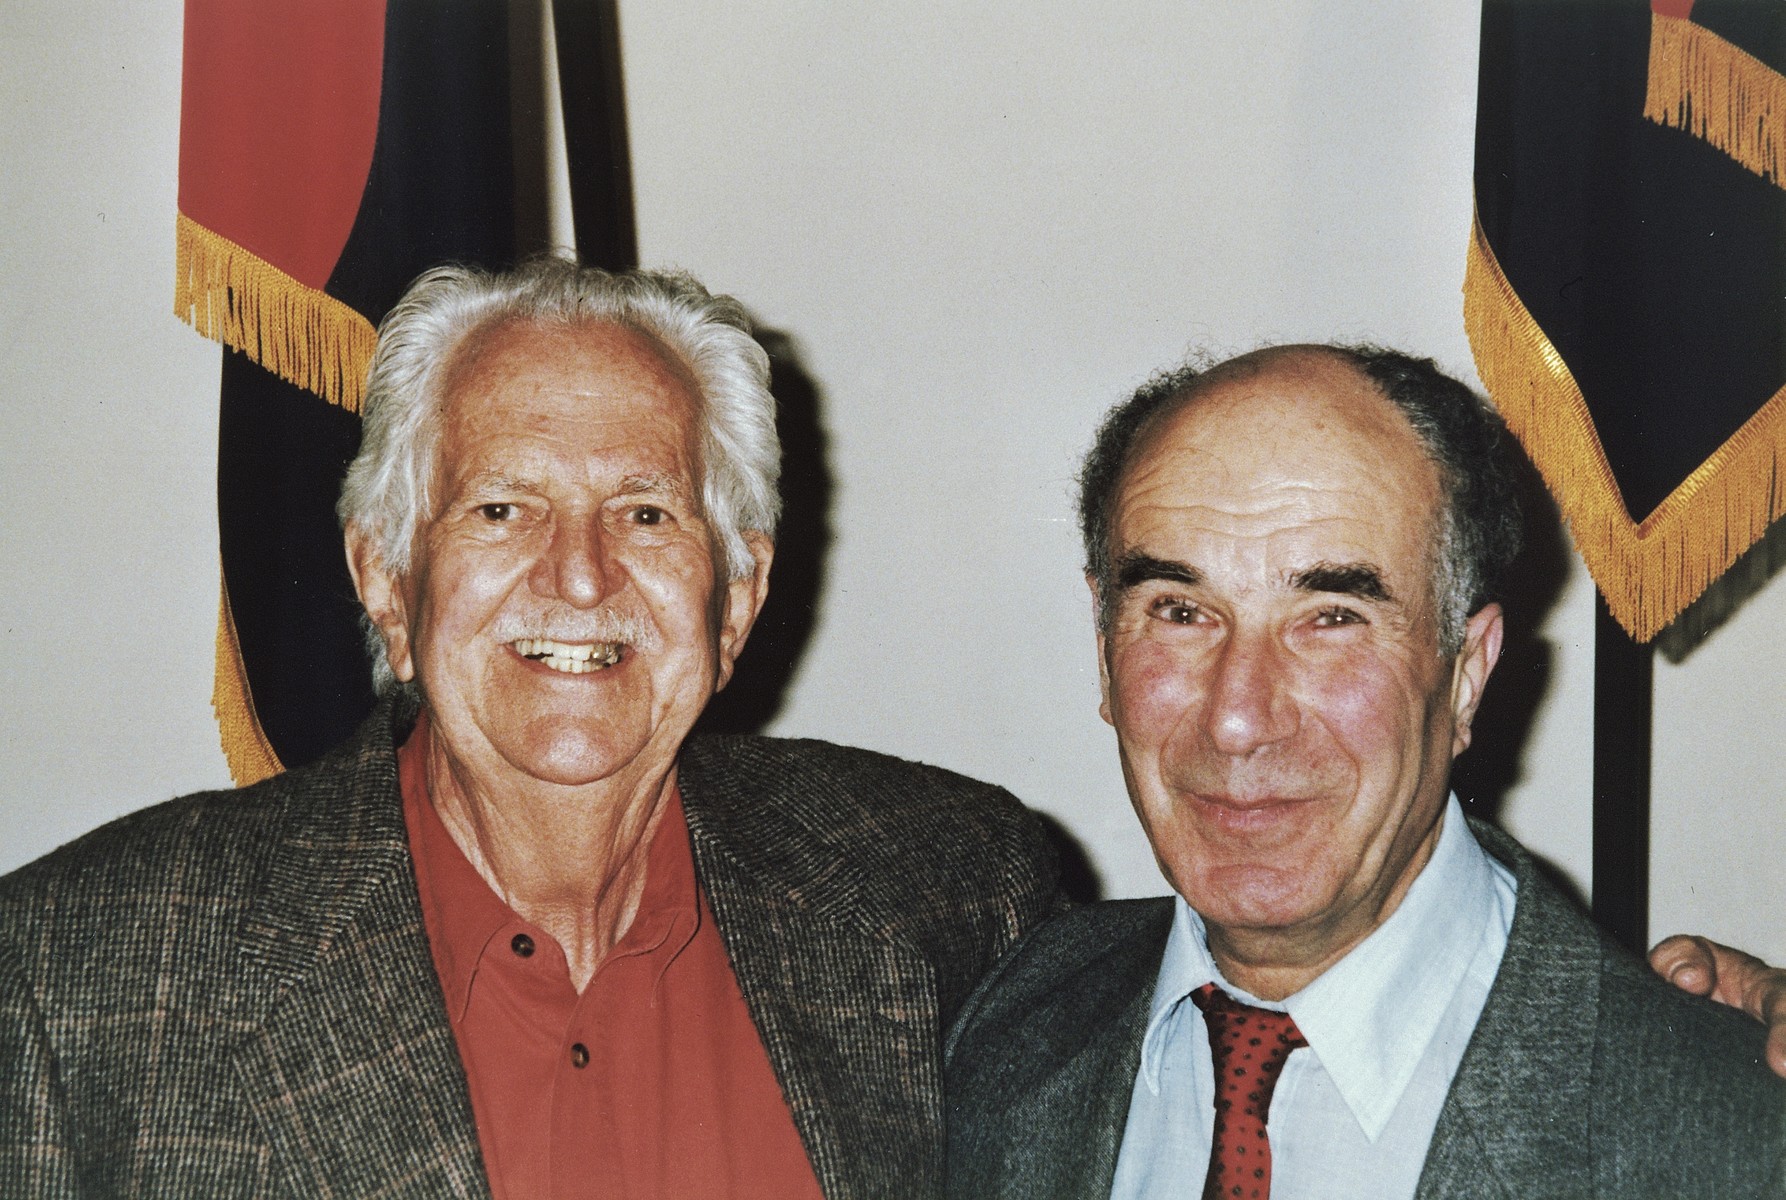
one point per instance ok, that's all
(846, 1009)
(348, 1061)
(1523, 1092)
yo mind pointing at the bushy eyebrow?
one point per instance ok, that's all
(485, 482)
(653, 485)
(1359, 579)
(1134, 569)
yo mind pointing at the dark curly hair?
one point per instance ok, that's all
(1480, 529)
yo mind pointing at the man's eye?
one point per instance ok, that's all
(1338, 616)
(1178, 612)
(649, 514)
(496, 512)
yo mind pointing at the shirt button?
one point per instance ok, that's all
(522, 945)
(579, 1055)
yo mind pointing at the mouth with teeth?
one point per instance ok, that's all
(573, 658)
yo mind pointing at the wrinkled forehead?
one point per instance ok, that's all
(551, 402)
(1301, 436)
(518, 373)
(589, 346)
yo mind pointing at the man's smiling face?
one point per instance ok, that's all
(565, 612)
(1270, 660)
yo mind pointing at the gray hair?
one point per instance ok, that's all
(386, 491)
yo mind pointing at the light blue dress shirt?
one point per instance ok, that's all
(1386, 1027)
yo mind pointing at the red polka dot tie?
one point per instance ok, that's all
(1249, 1046)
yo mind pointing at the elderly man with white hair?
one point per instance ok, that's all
(522, 935)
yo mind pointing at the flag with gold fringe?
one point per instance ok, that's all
(330, 150)
(1626, 289)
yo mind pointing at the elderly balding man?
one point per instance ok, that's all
(1356, 991)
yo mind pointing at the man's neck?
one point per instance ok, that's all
(570, 860)
(1272, 968)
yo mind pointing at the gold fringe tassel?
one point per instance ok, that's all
(304, 336)
(245, 745)
(1647, 571)
(1705, 86)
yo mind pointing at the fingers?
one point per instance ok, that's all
(1772, 996)
(1706, 968)
(1687, 962)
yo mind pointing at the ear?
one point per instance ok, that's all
(1469, 674)
(1097, 621)
(744, 599)
(381, 594)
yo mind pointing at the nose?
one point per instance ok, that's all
(575, 568)
(1250, 701)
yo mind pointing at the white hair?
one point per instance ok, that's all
(386, 492)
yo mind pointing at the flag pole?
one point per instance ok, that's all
(592, 89)
(1623, 673)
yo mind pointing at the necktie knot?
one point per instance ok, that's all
(1249, 1046)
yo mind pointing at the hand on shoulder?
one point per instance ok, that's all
(1706, 968)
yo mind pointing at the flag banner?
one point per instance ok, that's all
(1625, 295)
(330, 151)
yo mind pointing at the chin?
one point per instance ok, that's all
(573, 757)
(1252, 897)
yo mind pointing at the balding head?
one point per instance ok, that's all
(1477, 529)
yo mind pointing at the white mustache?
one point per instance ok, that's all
(596, 626)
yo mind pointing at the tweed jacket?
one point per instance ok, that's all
(232, 994)
(1586, 1075)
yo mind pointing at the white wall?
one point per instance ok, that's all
(108, 526)
(981, 224)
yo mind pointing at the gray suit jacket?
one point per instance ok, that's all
(231, 994)
(1586, 1076)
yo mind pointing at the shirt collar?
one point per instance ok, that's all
(669, 909)
(464, 913)
(1370, 1016)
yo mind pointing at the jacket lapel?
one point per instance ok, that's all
(1082, 1110)
(1517, 1120)
(1043, 1059)
(846, 1011)
(349, 1064)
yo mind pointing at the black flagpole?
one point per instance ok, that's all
(591, 87)
(1623, 671)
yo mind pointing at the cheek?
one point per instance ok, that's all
(457, 592)
(1373, 710)
(679, 585)
(1153, 688)
(460, 592)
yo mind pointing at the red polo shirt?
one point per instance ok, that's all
(651, 1083)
